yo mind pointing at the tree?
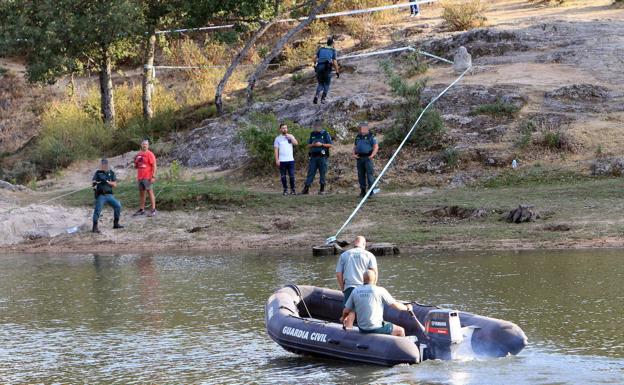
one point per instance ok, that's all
(242, 54)
(61, 37)
(281, 43)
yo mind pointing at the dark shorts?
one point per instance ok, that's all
(145, 184)
(385, 329)
(347, 293)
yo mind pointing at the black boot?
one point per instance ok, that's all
(323, 98)
(116, 224)
(315, 101)
(95, 228)
(322, 190)
(362, 192)
(306, 190)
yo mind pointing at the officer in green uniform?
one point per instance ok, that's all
(364, 151)
(103, 182)
(319, 144)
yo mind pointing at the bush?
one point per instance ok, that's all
(69, 133)
(413, 65)
(450, 157)
(72, 129)
(21, 173)
(498, 109)
(556, 141)
(461, 16)
(527, 128)
(430, 132)
(3, 71)
(259, 135)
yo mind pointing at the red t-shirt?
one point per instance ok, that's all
(144, 162)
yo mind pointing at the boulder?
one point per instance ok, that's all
(462, 60)
(215, 145)
(521, 214)
(11, 187)
(613, 166)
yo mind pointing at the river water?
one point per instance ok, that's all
(199, 319)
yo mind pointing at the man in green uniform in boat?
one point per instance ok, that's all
(367, 303)
(352, 265)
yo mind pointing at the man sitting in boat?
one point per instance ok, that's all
(367, 303)
(352, 265)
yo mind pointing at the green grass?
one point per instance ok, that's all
(177, 195)
(497, 109)
(535, 176)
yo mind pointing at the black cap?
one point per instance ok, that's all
(104, 161)
(330, 41)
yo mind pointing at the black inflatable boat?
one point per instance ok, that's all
(305, 320)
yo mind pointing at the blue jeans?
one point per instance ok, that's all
(111, 201)
(365, 169)
(287, 167)
(323, 84)
(415, 9)
(316, 163)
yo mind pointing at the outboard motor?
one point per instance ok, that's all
(444, 330)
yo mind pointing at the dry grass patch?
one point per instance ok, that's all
(462, 16)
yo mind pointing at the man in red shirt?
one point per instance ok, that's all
(145, 163)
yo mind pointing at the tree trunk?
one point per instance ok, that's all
(148, 78)
(236, 61)
(279, 46)
(106, 89)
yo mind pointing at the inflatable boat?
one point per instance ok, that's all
(305, 320)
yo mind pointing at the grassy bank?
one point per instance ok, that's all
(590, 208)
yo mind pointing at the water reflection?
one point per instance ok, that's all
(137, 319)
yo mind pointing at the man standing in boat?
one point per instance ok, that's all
(367, 303)
(352, 265)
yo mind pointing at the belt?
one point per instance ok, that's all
(317, 155)
(364, 155)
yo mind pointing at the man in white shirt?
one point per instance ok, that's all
(284, 157)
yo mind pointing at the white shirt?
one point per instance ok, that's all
(285, 149)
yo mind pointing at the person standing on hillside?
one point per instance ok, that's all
(352, 265)
(284, 157)
(324, 61)
(414, 10)
(318, 146)
(364, 150)
(103, 182)
(145, 163)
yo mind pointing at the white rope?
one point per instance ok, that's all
(333, 239)
(366, 54)
(321, 16)
(208, 28)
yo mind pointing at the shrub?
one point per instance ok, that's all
(556, 141)
(259, 135)
(461, 16)
(450, 157)
(3, 71)
(413, 65)
(527, 128)
(69, 133)
(497, 109)
(23, 172)
(430, 132)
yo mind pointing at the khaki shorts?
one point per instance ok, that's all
(145, 184)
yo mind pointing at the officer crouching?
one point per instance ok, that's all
(364, 151)
(103, 182)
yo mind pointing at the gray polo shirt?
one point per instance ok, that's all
(367, 301)
(353, 264)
